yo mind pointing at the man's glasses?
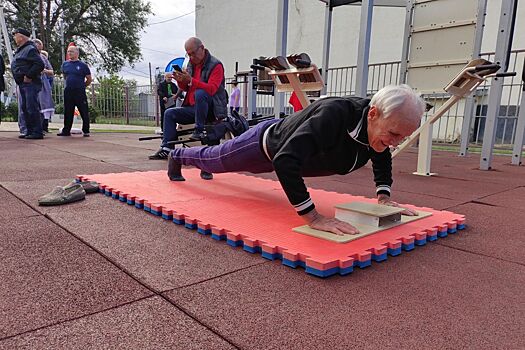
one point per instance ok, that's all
(194, 52)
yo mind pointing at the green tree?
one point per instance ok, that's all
(107, 31)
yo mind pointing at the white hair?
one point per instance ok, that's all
(74, 48)
(393, 98)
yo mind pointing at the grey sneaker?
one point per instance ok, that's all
(88, 186)
(63, 195)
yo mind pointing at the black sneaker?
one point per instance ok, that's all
(22, 136)
(86, 134)
(64, 134)
(34, 137)
(160, 154)
(206, 175)
(197, 136)
(175, 170)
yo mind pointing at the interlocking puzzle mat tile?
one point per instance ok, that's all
(254, 213)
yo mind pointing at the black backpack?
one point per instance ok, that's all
(236, 123)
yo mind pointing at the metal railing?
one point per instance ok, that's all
(128, 104)
(139, 104)
(341, 81)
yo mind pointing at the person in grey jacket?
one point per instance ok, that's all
(26, 68)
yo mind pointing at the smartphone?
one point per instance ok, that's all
(176, 67)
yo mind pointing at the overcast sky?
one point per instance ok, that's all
(162, 42)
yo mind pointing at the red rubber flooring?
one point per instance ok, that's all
(254, 213)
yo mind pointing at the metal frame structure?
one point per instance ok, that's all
(281, 45)
(424, 68)
(365, 31)
(503, 46)
(470, 101)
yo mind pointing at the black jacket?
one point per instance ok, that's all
(27, 62)
(328, 137)
(162, 90)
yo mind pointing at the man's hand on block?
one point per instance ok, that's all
(385, 200)
(322, 223)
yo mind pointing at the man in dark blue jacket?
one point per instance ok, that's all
(26, 67)
(77, 76)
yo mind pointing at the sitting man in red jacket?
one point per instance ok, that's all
(205, 98)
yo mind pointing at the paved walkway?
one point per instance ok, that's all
(13, 126)
(100, 274)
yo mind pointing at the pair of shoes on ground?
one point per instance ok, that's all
(73, 192)
(175, 171)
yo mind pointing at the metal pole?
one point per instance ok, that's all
(150, 78)
(363, 51)
(252, 95)
(503, 45)
(33, 30)
(406, 42)
(9, 50)
(7, 38)
(520, 127)
(281, 42)
(466, 125)
(326, 44)
(62, 39)
(470, 101)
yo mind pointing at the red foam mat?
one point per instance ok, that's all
(255, 213)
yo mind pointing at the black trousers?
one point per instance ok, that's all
(162, 110)
(75, 98)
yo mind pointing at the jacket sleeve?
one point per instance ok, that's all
(160, 90)
(315, 135)
(36, 64)
(382, 168)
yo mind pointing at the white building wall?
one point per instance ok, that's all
(240, 30)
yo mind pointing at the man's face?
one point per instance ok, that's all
(20, 39)
(195, 53)
(168, 77)
(385, 132)
(73, 54)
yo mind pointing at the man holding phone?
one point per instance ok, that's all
(167, 91)
(206, 98)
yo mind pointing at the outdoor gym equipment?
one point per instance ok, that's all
(472, 75)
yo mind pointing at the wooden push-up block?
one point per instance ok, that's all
(368, 218)
(370, 214)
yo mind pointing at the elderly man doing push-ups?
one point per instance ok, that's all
(334, 135)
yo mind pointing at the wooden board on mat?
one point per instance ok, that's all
(364, 230)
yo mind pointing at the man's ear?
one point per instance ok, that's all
(373, 113)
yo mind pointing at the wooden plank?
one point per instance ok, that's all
(365, 230)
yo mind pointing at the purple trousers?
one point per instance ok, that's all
(242, 153)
